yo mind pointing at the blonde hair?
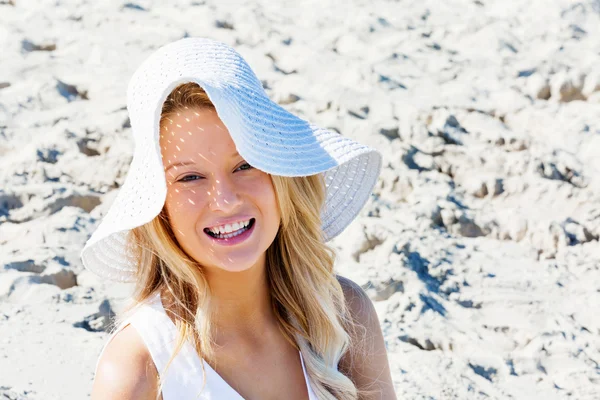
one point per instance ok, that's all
(306, 296)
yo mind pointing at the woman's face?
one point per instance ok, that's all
(223, 212)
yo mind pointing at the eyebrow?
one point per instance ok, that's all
(186, 163)
(179, 164)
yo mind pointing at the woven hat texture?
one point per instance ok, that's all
(266, 135)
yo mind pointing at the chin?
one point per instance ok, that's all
(233, 264)
(236, 267)
(236, 259)
(233, 269)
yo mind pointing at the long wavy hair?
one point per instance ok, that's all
(306, 296)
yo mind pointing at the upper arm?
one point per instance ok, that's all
(366, 363)
(125, 369)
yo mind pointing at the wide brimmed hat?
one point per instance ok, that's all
(266, 135)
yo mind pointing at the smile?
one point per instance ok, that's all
(229, 231)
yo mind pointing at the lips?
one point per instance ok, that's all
(220, 233)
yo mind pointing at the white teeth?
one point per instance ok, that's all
(229, 230)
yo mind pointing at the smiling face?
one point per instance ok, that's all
(223, 212)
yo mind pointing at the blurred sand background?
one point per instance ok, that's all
(479, 246)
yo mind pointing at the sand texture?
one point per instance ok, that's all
(479, 246)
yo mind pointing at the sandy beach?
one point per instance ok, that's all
(479, 246)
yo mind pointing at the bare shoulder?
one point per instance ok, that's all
(366, 362)
(358, 302)
(125, 369)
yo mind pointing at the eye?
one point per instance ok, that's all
(245, 166)
(185, 178)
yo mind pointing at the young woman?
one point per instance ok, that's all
(222, 224)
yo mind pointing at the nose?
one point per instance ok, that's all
(224, 196)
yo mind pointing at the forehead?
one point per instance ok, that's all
(194, 133)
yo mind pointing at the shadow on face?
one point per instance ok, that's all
(223, 212)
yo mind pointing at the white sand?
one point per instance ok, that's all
(479, 247)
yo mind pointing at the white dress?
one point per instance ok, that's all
(183, 379)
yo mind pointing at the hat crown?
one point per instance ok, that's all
(210, 63)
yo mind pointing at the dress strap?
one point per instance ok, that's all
(154, 327)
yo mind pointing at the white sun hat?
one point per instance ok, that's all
(266, 135)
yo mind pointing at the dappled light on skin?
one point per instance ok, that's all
(210, 184)
(205, 159)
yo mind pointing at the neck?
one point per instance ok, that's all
(240, 300)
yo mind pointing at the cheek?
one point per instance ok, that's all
(265, 193)
(180, 206)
